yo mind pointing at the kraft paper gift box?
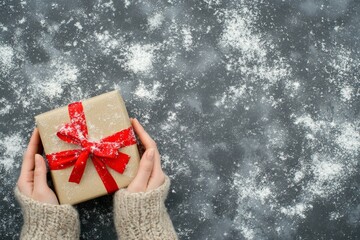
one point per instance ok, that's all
(84, 143)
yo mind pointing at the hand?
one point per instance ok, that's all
(150, 174)
(32, 181)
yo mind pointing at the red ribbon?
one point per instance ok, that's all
(103, 153)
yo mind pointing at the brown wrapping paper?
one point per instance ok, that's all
(105, 115)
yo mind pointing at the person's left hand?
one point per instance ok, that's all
(150, 174)
(32, 181)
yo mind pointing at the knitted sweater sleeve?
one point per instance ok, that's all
(143, 215)
(47, 221)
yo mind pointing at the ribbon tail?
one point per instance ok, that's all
(109, 182)
(123, 138)
(79, 167)
(61, 160)
(119, 163)
(77, 116)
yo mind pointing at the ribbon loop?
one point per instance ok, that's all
(103, 153)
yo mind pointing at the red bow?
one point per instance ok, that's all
(103, 153)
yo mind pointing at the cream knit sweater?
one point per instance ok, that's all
(137, 216)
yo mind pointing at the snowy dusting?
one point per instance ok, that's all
(254, 106)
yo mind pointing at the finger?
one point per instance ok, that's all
(26, 178)
(40, 182)
(145, 138)
(140, 182)
(28, 161)
(157, 176)
(157, 164)
(148, 142)
(25, 187)
(156, 180)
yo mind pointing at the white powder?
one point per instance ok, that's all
(299, 175)
(251, 192)
(155, 21)
(172, 116)
(140, 58)
(276, 136)
(148, 93)
(308, 122)
(253, 62)
(109, 5)
(221, 102)
(107, 42)
(343, 65)
(7, 106)
(187, 38)
(328, 177)
(330, 169)
(335, 215)
(331, 140)
(315, 126)
(346, 93)
(232, 95)
(11, 146)
(3, 28)
(78, 25)
(296, 85)
(298, 210)
(248, 189)
(239, 35)
(50, 82)
(248, 233)
(342, 62)
(247, 53)
(170, 123)
(263, 193)
(6, 59)
(323, 175)
(182, 168)
(349, 138)
(64, 74)
(127, 3)
(6, 109)
(212, 3)
(325, 171)
(23, 20)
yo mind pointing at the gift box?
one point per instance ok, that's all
(90, 147)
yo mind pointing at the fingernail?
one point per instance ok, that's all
(37, 160)
(150, 153)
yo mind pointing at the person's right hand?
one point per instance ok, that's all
(32, 181)
(150, 174)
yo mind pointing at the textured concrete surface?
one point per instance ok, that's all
(254, 106)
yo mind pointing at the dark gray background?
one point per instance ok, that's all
(254, 106)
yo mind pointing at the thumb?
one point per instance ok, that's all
(140, 182)
(40, 183)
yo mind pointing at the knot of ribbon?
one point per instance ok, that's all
(103, 153)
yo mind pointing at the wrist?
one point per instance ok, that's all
(143, 213)
(45, 218)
